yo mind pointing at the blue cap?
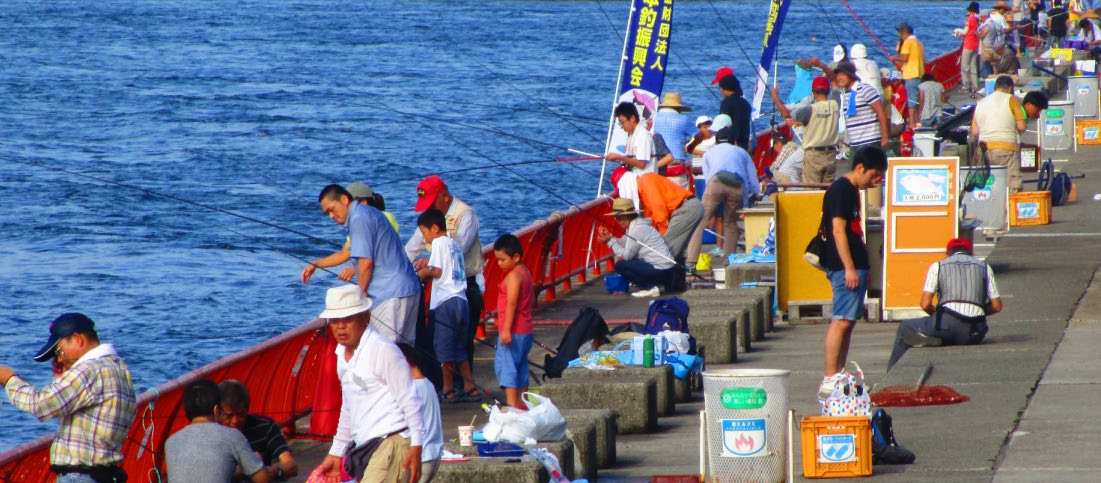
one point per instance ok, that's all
(60, 328)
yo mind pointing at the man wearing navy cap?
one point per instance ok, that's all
(966, 292)
(91, 395)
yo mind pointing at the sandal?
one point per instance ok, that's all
(472, 395)
(451, 397)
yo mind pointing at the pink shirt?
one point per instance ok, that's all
(521, 321)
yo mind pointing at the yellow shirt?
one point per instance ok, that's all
(914, 67)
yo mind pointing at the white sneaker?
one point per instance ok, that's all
(825, 390)
(653, 292)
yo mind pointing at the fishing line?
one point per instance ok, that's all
(866, 29)
(173, 198)
(827, 17)
(386, 107)
(476, 168)
(376, 321)
(577, 117)
(533, 183)
(752, 64)
(615, 33)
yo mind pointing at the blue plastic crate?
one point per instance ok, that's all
(615, 283)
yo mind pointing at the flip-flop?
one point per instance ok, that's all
(475, 396)
(451, 397)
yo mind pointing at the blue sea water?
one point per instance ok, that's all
(253, 106)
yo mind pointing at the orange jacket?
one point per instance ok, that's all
(660, 198)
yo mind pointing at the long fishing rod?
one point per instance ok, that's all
(379, 322)
(527, 180)
(170, 197)
(866, 28)
(828, 19)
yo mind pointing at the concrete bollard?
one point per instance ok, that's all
(764, 295)
(528, 470)
(725, 329)
(662, 375)
(605, 429)
(635, 401)
(740, 273)
(583, 434)
(722, 299)
(563, 450)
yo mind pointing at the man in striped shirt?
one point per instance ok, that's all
(91, 395)
(865, 119)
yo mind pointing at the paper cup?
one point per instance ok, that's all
(466, 435)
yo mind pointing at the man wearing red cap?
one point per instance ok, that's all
(820, 132)
(966, 293)
(462, 226)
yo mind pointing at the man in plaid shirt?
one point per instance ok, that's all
(91, 395)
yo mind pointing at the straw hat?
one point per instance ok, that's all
(623, 206)
(1002, 5)
(345, 301)
(672, 100)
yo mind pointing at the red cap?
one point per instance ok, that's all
(820, 84)
(427, 190)
(722, 72)
(959, 244)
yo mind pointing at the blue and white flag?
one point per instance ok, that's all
(776, 13)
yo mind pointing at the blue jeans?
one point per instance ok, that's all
(848, 304)
(912, 92)
(75, 478)
(642, 274)
(953, 330)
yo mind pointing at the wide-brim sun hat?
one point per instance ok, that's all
(344, 301)
(672, 100)
(623, 206)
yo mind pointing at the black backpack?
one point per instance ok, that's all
(885, 450)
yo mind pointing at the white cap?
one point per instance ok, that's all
(721, 121)
(838, 53)
(858, 51)
(701, 120)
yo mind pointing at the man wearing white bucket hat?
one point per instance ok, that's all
(380, 432)
(866, 69)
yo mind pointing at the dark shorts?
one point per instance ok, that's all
(451, 321)
(511, 361)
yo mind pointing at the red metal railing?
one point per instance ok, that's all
(279, 373)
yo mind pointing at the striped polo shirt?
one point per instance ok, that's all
(863, 128)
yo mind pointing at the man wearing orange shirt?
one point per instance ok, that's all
(673, 210)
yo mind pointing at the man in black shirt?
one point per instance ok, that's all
(735, 106)
(846, 257)
(263, 435)
(1058, 19)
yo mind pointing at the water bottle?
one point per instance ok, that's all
(648, 352)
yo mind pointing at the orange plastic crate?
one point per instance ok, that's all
(836, 447)
(1030, 208)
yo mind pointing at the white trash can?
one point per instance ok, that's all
(746, 424)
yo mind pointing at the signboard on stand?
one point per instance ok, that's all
(920, 217)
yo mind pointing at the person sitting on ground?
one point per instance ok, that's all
(205, 450)
(1005, 61)
(787, 168)
(672, 209)
(931, 99)
(1091, 33)
(448, 313)
(966, 293)
(430, 414)
(263, 435)
(515, 296)
(645, 259)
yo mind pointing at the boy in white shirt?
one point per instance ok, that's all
(430, 414)
(448, 312)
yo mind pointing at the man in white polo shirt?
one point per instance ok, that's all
(380, 430)
(639, 157)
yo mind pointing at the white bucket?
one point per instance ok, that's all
(719, 274)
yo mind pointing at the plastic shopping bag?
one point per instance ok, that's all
(676, 341)
(550, 462)
(513, 426)
(549, 423)
(615, 357)
(850, 395)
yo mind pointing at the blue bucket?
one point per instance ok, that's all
(615, 283)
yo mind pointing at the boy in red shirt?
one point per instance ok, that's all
(514, 325)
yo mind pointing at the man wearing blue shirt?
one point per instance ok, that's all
(731, 180)
(383, 272)
(673, 125)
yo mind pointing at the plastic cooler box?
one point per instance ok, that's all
(836, 447)
(1030, 208)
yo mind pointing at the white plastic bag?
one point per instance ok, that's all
(550, 462)
(549, 423)
(513, 426)
(676, 341)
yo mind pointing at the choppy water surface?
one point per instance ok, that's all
(253, 106)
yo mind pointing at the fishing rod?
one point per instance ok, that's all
(533, 183)
(379, 322)
(170, 197)
(866, 28)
